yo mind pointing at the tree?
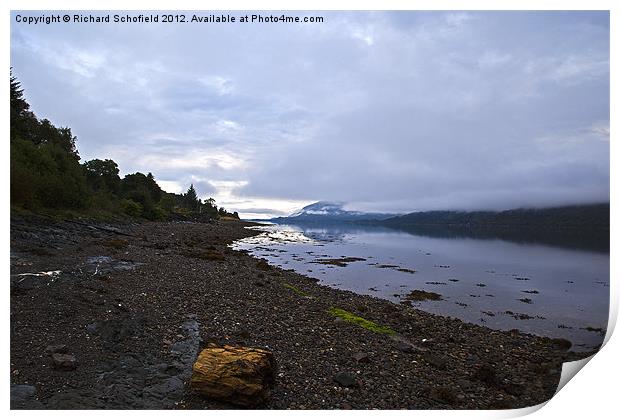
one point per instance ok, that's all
(102, 175)
(45, 168)
(143, 190)
(190, 199)
(23, 121)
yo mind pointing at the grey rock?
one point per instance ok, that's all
(24, 397)
(74, 399)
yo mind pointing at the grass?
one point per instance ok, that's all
(358, 320)
(296, 290)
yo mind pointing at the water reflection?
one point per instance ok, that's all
(536, 288)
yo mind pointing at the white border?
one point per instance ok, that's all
(592, 394)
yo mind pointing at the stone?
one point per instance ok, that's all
(74, 399)
(238, 375)
(437, 362)
(403, 346)
(64, 361)
(56, 348)
(345, 379)
(361, 357)
(24, 397)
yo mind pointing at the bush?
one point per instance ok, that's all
(45, 176)
(131, 208)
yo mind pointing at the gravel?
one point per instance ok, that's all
(134, 313)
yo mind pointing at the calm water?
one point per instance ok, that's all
(565, 292)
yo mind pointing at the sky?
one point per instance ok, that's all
(385, 111)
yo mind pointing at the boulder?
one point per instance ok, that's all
(238, 375)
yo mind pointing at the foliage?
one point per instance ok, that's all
(143, 190)
(131, 208)
(46, 174)
(191, 200)
(102, 175)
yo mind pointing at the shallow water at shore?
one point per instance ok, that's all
(537, 289)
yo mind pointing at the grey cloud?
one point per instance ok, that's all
(390, 110)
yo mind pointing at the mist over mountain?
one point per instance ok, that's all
(579, 226)
(330, 212)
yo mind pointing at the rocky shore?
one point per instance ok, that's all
(113, 315)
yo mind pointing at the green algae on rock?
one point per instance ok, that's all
(358, 320)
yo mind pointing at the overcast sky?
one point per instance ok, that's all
(386, 111)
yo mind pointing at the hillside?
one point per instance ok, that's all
(329, 212)
(594, 216)
(581, 226)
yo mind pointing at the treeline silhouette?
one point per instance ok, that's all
(579, 226)
(46, 174)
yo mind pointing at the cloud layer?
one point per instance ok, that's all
(387, 111)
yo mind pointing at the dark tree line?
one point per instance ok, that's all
(46, 174)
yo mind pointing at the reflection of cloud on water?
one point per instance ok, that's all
(274, 234)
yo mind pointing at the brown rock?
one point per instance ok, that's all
(238, 375)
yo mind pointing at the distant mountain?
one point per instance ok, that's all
(594, 216)
(582, 226)
(329, 212)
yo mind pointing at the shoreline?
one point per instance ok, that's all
(277, 252)
(128, 327)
